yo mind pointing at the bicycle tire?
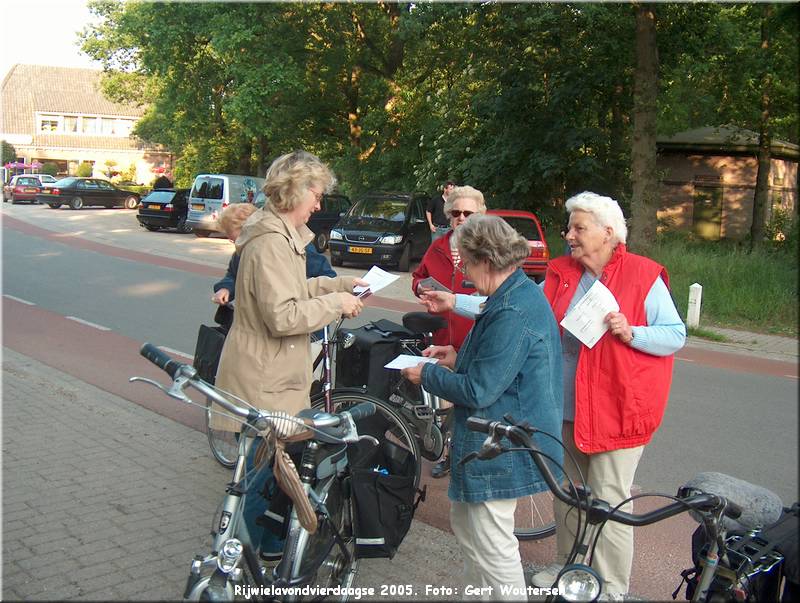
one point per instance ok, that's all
(534, 518)
(397, 430)
(224, 444)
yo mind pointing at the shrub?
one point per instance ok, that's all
(49, 168)
(84, 170)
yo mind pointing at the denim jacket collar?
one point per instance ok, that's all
(514, 280)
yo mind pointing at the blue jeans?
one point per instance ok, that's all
(440, 232)
(255, 505)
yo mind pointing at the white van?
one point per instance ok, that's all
(211, 193)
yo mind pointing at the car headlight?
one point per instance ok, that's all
(578, 583)
(392, 239)
(336, 235)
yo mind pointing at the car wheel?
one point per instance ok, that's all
(13, 200)
(76, 203)
(336, 261)
(202, 233)
(405, 259)
(321, 241)
(181, 225)
(131, 203)
(152, 228)
(54, 205)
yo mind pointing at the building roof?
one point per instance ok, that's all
(28, 89)
(724, 139)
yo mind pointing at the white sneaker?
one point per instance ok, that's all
(547, 577)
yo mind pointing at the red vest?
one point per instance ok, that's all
(620, 392)
(438, 263)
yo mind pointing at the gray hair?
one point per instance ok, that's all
(488, 237)
(461, 192)
(604, 210)
(291, 175)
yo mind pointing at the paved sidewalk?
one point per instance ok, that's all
(105, 500)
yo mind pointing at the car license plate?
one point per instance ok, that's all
(199, 206)
(30, 190)
(359, 249)
(155, 207)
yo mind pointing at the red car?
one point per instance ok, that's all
(527, 224)
(23, 188)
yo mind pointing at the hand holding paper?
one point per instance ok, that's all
(586, 320)
(376, 280)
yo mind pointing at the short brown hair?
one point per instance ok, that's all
(488, 237)
(234, 216)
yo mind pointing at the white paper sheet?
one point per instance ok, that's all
(586, 319)
(408, 361)
(377, 279)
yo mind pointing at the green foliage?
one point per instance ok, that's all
(706, 334)
(48, 167)
(9, 152)
(84, 170)
(755, 290)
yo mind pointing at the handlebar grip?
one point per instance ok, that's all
(478, 424)
(160, 359)
(362, 410)
(733, 510)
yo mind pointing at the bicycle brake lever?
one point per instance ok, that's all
(470, 457)
(370, 439)
(150, 382)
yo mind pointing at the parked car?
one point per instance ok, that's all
(83, 192)
(527, 224)
(165, 208)
(23, 187)
(333, 207)
(382, 228)
(211, 193)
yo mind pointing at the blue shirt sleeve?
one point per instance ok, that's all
(468, 306)
(229, 280)
(665, 332)
(317, 264)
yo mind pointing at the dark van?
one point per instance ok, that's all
(384, 229)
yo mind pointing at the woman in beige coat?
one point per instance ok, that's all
(266, 359)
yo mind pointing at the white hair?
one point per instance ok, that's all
(604, 210)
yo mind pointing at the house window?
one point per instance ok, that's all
(89, 125)
(71, 124)
(49, 123)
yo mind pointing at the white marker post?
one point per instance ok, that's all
(693, 311)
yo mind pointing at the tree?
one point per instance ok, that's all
(9, 152)
(84, 170)
(644, 203)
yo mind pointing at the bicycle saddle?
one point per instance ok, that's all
(760, 507)
(422, 322)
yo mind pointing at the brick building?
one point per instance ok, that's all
(59, 115)
(708, 180)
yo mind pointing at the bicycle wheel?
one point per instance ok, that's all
(534, 518)
(386, 424)
(224, 444)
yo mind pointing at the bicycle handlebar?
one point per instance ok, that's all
(256, 418)
(598, 510)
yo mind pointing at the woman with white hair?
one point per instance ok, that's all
(615, 393)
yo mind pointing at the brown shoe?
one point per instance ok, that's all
(442, 468)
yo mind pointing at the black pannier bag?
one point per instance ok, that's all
(361, 365)
(208, 351)
(383, 497)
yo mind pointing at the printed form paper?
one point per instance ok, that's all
(408, 361)
(586, 320)
(377, 279)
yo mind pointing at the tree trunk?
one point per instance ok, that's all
(644, 203)
(762, 207)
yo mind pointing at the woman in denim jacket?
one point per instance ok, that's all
(510, 363)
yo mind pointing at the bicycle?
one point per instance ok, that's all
(534, 518)
(321, 494)
(387, 425)
(726, 573)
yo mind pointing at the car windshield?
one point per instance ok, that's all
(390, 209)
(65, 182)
(27, 182)
(159, 197)
(524, 226)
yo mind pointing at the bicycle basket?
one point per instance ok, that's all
(383, 496)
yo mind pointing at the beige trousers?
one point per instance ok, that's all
(492, 562)
(610, 476)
